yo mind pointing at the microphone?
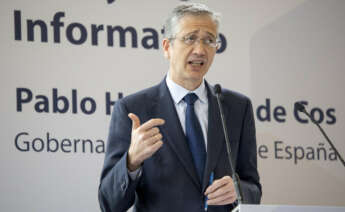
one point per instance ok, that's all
(235, 178)
(300, 107)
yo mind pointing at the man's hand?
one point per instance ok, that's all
(146, 140)
(221, 192)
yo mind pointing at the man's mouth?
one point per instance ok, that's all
(196, 62)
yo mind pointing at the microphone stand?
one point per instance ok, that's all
(235, 177)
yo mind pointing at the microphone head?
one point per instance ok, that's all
(217, 89)
(300, 107)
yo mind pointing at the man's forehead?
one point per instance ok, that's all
(198, 24)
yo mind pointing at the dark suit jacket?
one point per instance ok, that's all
(169, 181)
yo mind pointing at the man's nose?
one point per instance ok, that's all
(199, 48)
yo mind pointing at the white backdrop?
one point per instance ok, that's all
(277, 52)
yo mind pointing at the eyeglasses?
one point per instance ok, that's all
(192, 39)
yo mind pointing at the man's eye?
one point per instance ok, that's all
(210, 40)
(191, 38)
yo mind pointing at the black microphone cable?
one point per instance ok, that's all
(300, 107)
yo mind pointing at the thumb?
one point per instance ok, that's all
(135, 120)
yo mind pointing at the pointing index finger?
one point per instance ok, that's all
(152, 123)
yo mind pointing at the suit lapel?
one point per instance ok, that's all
(215, 135)
(172, 131)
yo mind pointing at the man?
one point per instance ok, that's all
(166, 141)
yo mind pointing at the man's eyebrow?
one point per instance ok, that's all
(197, 30)
(211, 34)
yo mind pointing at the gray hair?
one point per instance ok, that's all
(195, 9)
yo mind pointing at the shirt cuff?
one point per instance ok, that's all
(134, 175)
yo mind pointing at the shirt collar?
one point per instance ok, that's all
(178, 92)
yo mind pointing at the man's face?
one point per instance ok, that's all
(190, 62)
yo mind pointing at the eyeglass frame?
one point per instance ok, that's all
(185, 38)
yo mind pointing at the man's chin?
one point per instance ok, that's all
(195, 76)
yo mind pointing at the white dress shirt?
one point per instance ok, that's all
(200, 106)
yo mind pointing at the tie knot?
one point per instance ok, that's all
(190, 98)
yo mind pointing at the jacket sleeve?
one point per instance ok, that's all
(116, 190)
(247, 159)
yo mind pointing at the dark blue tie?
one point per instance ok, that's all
(194, 135)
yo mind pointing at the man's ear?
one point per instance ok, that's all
(166, 45)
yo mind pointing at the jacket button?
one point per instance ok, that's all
(123, 186)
